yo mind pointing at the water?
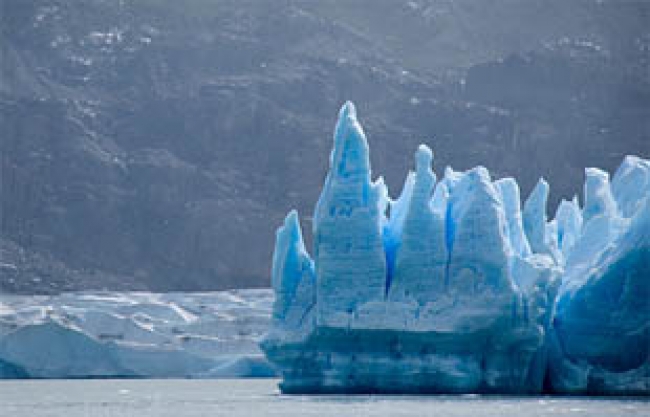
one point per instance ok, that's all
(247, 397)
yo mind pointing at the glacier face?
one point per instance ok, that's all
(454, 287)
(108, 334)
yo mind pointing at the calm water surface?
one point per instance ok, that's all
(250, 397)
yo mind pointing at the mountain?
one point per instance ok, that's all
(157, 144)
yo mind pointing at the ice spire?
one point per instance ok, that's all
(292, 275)
(534, 216)
(479, 254)
(509, 191)
(348, 248)
(598, 195)
(633, 175)
(600, 224)
(569, 225)
(421, 258)
(425, 179)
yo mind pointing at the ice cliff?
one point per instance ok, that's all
(455, 287)
(111, 334)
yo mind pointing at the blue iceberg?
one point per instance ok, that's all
(455, 288)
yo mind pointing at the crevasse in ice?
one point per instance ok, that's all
(453, 287)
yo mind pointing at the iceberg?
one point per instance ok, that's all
(455, 288)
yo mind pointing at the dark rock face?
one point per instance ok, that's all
(156, 144)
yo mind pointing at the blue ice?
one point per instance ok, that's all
(454, 288)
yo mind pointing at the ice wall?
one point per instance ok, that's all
(138, 335)
(454, 288)
(600, 338)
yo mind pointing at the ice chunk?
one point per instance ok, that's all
(601, 226)
(509, 191)
(633, 175)
(598, 195)
(541, 236)
(569, 225)
(601, 339)
(51, 349)
(534, 217)
(292, 275)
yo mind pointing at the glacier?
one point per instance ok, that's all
(456, 287)
(135, 335)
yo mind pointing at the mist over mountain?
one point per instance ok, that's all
(157, 144)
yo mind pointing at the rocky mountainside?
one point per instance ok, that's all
(158, 144)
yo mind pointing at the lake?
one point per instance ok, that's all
(251, 397)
